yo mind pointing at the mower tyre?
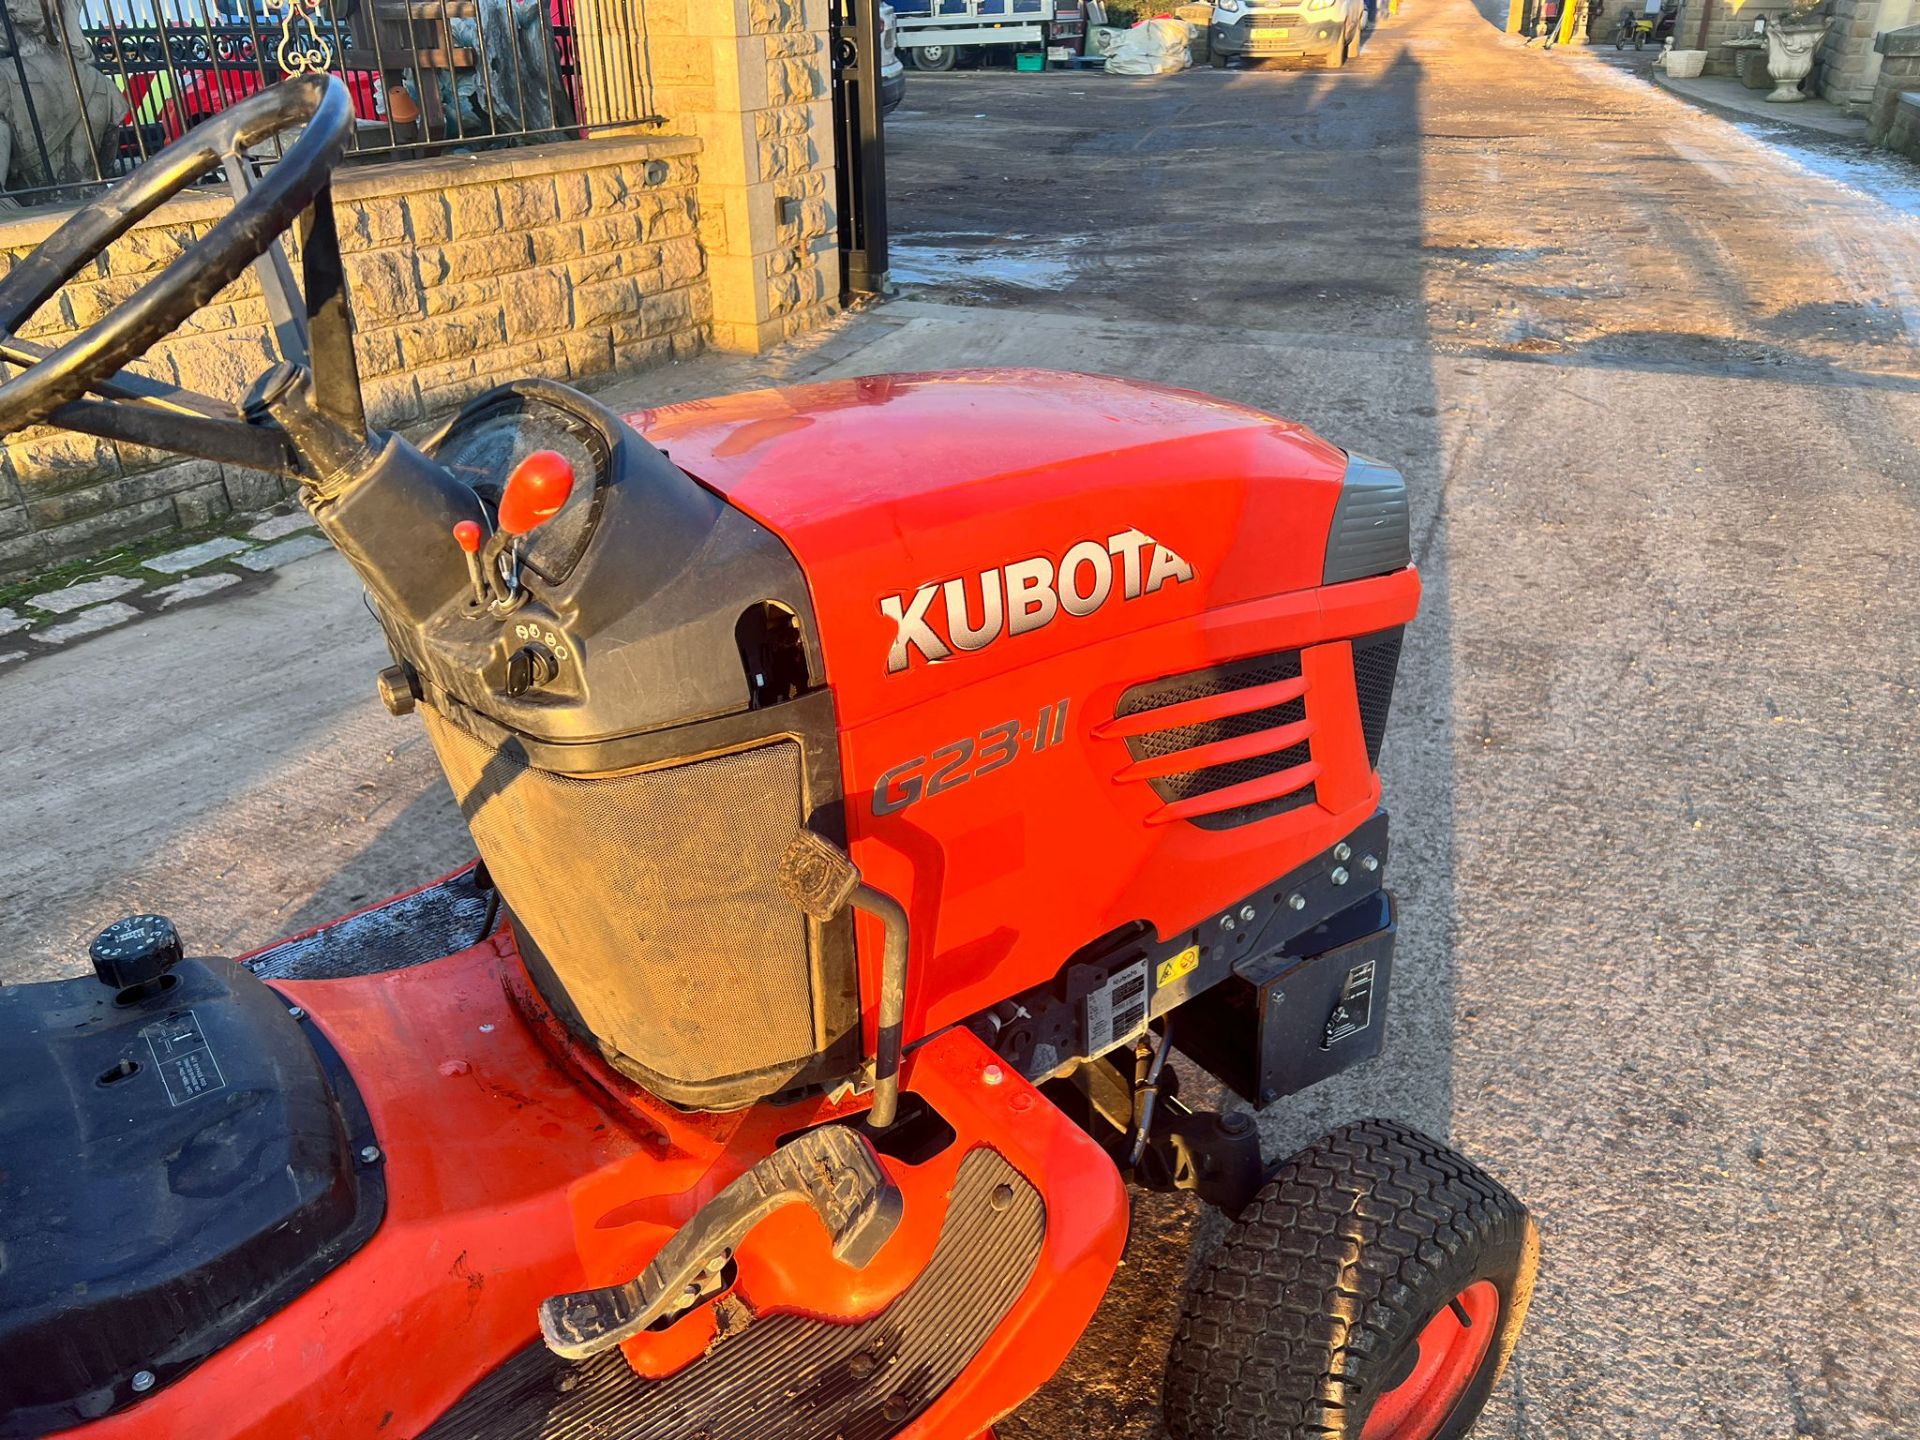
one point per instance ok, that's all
(1372, 1291)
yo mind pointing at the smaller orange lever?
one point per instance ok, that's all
(538, 487)
(469, 537)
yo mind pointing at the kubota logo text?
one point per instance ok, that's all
(1026, 595)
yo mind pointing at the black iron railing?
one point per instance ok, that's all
(91, 88)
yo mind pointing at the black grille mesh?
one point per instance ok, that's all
(1203, 684)
(1376, 658)
(653, 896)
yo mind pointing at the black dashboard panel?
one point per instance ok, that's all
(636, 590)
(483, 449)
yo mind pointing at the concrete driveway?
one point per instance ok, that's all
(1655, 759)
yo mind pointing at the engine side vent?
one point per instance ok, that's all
(1224, 746)
(1376, 659)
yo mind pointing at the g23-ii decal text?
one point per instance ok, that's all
(925, 776)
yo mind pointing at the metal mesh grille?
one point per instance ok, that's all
(1202, 684)
(653, 898)
(1375, 660)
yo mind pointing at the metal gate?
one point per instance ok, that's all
(860, 159)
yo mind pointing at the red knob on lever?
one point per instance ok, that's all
(468, 536)
(538, 487)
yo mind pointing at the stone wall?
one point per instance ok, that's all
(567, 261)
(751, 79)
(1843, 69)
(1896, 92)
(1903, 132)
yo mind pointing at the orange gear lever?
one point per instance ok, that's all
(539, 486)
(468, 536)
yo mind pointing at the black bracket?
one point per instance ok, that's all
(1215, 1156)
(833, 1169)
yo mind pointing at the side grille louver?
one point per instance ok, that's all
(1376, 659)
(1223, 746)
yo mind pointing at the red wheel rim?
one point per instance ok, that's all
(1452, 1349)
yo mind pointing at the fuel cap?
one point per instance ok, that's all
(135, 951)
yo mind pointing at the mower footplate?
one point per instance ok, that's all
(795, 1376)
(833, 1169)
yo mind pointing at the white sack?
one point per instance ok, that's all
(1153, 47)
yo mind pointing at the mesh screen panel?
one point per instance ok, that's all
(1375, 660)
(653, 898)
(1241, 675)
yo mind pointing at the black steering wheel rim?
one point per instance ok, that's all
(318, 102)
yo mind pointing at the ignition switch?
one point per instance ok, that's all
(530, 667)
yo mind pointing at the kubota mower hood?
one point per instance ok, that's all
(1042, 504)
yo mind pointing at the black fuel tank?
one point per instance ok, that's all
(172, 1171)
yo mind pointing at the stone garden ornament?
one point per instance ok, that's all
(1792, 41)
(47, 75)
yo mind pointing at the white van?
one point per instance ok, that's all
(1324, 30)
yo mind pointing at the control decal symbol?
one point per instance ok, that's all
(183, 1057)
(548, 638)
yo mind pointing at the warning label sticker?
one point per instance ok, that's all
(183, 1057)
(1354, 1011)
(1185, 963)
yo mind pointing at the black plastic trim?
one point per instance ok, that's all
(173, 1360)
(809, 720)
(1372, 528)
(1041, 1031)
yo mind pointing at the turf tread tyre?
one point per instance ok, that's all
(1306, 1312)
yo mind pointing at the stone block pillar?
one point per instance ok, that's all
(1844, 69)
(751, 78)
(1899, 75)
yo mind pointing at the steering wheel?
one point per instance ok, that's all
(50, 384)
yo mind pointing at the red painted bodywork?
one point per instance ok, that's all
(884, 484)
(518, 1167)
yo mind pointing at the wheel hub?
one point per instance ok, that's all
(1452, 1348)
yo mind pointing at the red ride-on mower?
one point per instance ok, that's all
(872, 783)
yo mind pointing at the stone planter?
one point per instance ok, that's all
(1790, 51)
(1751, 66)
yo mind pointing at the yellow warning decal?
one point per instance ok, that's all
(1185, 963)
